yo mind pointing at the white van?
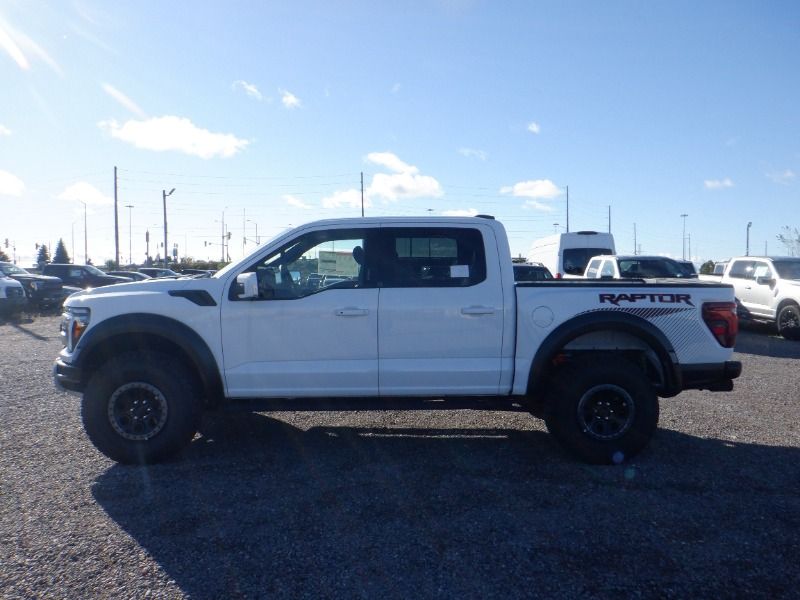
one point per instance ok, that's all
(566, 254)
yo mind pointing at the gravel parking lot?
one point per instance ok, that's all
(425, 503)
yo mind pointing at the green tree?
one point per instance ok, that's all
(61, 256)
(707, 268)
(4, 257)
(791, 239)
(44, 255)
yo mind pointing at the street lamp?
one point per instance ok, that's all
(130, 234)
(164, 195)
(258, 240)
(683, 238)
(747, 246)
(85, 236)
(555, 227)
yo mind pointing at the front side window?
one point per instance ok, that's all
(742, 269)
(313, 263)
(428, 257)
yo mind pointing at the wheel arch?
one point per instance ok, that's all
(630, 334)
(147, 333)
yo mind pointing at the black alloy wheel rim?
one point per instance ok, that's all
(137, 411)
(790, 319)
(606, 412)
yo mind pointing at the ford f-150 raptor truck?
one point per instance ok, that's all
(418, 308)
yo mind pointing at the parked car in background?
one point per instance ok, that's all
(566, 254)
(767, 290)
(12, 296)
(635, 267)
(132, 275)
(531, 272)
(688, 267)
(42, 291)
(159, 272)
(82, 276)
(198, 272)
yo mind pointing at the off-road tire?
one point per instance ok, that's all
(163, 392)
(601, 409)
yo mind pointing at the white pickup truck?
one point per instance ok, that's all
(418, 308)
(767, 290)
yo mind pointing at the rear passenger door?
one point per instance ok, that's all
(440, 312)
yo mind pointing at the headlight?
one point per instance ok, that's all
(34, 285)
(74, 322)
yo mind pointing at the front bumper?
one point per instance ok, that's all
(12, 305)
(66, 377)
(716, 377)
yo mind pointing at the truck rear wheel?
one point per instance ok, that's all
(141, 407)
(789, 322)
(603, 410)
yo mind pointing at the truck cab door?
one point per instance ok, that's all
(288, 337)
(441, 312)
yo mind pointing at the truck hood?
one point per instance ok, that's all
(149, 286)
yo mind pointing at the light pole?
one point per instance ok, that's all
(130, 234)
(85, 236)
(258, 240)
(555, 227)
(164, 195)
(747, 245)
(683, 237)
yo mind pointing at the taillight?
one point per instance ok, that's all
(558, 275)
(723, 322)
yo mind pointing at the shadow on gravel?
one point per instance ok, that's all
(258, 508)
(18, 326)
(763, 341)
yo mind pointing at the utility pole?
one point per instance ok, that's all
(765, 248)
(223, 235)
(635, 246)
(116, 223)
(85, 236)
(164, 195)
(130, 235)
(683, 236)
(689, 243)
(609, 218)
(244, 230)
(147, 250)
(567, 209)
(362, 193)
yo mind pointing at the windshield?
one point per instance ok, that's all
(650, 268)
(788, 269)
(13, 270)
(576, 259)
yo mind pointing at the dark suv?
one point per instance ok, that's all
(82, 276)
(42, 291)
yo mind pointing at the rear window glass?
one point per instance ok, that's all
(574, 260)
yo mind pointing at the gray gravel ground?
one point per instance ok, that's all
(402, 503)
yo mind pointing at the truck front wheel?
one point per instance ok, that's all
(789, 322)
(140, 407)
(603, 409)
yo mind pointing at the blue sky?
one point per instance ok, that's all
(265, 114)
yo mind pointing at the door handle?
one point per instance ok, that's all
(747, 287)
(351, 311)
(478, 310)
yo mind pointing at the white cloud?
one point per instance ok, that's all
(718, 184)
(536, 189)
(472, 153)
(462, 212)
(784, 177)
(296, 202)
(536, 205)
(391, 162)
(20, 48)
(84, 192)
(175, 133)
(397, 186)
(533, 127)
(249, 88)
(350, 198)
(4, 130)
(123, 100)
(10, 184)
(289, 100)
(404, 183)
